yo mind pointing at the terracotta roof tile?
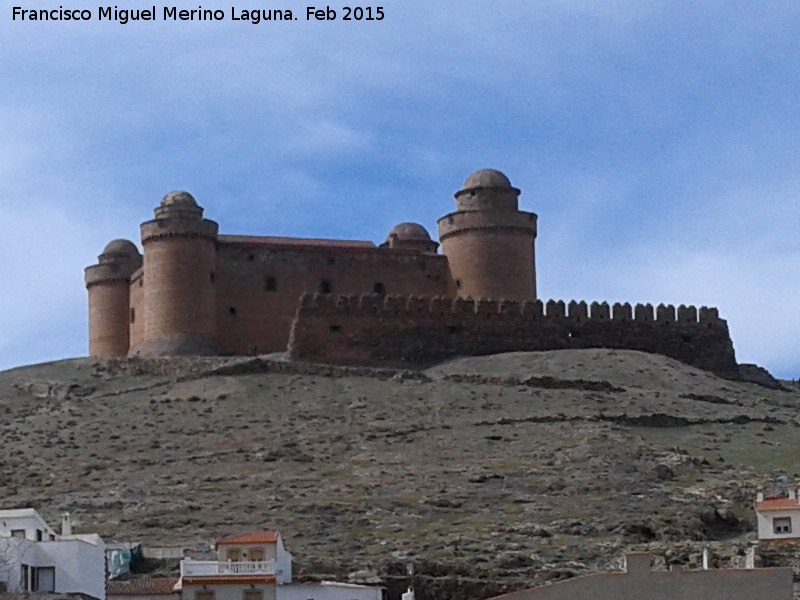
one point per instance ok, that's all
(256, 537)
(777, 503)
(142, 587)
(233, 579)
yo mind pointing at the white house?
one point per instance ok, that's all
(256, 566)
(778, 513)
(33, 558)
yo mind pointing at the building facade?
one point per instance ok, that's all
(34, 558)
(778, 513)
(256, 566)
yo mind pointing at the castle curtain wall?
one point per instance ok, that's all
(421, 331)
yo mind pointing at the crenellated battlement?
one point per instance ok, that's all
(575, 311)
(391, 330)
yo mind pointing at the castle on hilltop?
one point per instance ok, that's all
(196, 291)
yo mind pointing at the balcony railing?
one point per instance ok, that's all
(201, 568)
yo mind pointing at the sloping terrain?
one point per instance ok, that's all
(486, 473)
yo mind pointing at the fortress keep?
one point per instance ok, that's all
(196, 291)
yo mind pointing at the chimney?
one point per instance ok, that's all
(66, 524)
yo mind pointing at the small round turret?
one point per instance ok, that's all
(412, 236)
(108, 286)
(488, 241)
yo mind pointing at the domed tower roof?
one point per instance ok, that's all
(178, 204)
(122, 247)
(487, 189)
(121, 252)
(410, 235)
(409, 231)
(118, 261)
(178, 199)
(486, 178)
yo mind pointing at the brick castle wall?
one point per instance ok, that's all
(414, 331)
(259, 284)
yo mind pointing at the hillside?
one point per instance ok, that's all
(486, 473)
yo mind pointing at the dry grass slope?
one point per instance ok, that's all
(488, 473)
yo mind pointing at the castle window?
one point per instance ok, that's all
(331, 260)
(452, 329)
(141, 282)
(334, 328)
(251, 257)
(325, 287)
(232, 310)
(133, 315)
(378, 288)
(782, 525)
(458, 283)
(270, 284)
(212, 277)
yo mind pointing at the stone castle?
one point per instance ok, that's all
(196, 291)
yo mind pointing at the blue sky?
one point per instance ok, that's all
(658, 141)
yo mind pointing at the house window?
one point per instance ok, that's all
(270, 284)
(378, 288)
(24, 579)
(253, 594)
(204, 595)
(39, 535)
(782, 525)
(43, 579)
(325, 287)
(18, 533)
(234, 554)
(256, 554)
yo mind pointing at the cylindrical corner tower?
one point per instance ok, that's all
(488, 241)
(108, 286)
(179, 269)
